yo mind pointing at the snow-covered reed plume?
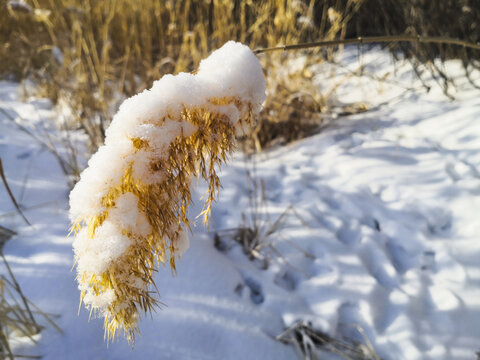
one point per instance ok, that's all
(129, 208)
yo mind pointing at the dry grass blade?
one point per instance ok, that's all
(5, 234)
(10, 194)
(17, 288)
(69, 163)
(5, 350)
(16, 317)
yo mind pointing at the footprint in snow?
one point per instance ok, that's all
(286, 280)
(351, 324)
(428, 261)
(401, 259)
(387, 306)
(256, 291)
(460, 170)
(378, 265)
(439, 221)
(371, 222)
(350, 233)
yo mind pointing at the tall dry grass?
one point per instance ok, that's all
(88, 55)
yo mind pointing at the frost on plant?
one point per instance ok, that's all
(129, 209)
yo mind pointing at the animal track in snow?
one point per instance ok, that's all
(256, 291)
(378, 265)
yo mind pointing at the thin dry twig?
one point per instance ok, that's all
(69, 164)
(373, 39)
(18, 289)
(16, 316)
(10, 194)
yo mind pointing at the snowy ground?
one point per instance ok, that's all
(388, 237)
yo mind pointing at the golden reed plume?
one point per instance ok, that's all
(129, 209)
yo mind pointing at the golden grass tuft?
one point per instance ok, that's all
(164, 204)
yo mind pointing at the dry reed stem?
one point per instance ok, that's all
(373, 39)
(10, 194)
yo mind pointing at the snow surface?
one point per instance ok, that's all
(388, 238)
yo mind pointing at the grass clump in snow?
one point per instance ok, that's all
(17, 319)
(311, 342)
(258, 234)
(129, 209)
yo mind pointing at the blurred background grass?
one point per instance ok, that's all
(87, 56)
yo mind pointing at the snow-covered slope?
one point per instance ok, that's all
(384, 234)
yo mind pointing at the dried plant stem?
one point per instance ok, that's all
(373, 39)
(10, 194)
(18, 289)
